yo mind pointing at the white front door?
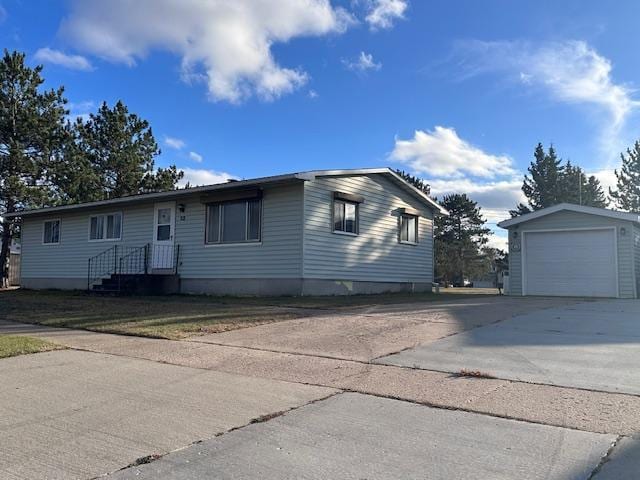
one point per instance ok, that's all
(163, 251)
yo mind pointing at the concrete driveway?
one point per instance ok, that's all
(111, 399)
(594, 346)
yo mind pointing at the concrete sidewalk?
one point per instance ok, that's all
(352, 436)
(70, 414)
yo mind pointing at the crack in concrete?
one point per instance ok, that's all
(605, 458)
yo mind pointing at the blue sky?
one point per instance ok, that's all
(458, 92)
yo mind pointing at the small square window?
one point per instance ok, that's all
(345, 216)
(408, 229)
(51, 232)
(105, 227)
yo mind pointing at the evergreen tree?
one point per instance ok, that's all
(541, 188)
(459, 239)
(627, 194)
(32, 130)
(577, 188)
(550, 182)
(419, 183)
(114, 156)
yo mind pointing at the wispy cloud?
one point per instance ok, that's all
(173, 142)
(363, 63)
(196, 157)
(382, 14)
(227, 45)
(196, 177)
(56, 57)
(3, 14)
(571, 72)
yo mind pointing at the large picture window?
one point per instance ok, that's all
(234, 222)
(345, 216)
(51, 232)
(408, 229)
(105, 227)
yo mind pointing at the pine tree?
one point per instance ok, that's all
(417, 182)
(550, 183)
(577, 188)
(459, 239)
(32, 130)
(116, 151)
(627, 194)
(541, 188)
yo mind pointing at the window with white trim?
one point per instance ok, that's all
(408, 228)
(51, 232)
(345, 216)
(105, 227)
(237, 221)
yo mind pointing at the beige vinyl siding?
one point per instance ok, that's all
(278, 255)
(565, 220)
(68, 259)
(375, 253)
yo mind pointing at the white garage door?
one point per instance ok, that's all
(570, 263)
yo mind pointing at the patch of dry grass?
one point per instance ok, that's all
(172, 317)
(177, 316)
(13, 345)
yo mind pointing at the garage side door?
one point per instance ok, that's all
(570, 263)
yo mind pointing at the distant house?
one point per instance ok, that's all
(317, 232)
(573, 250)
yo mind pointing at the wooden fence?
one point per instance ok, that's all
(14, 269)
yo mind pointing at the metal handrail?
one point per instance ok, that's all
(119, 259)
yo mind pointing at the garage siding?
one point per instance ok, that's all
(375, 254)
(571, 220)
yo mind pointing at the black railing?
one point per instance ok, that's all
(102, 265)
(125, 260)
(164, 258)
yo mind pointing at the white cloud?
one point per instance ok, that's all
(383, 13)
(313, 94)
(196, 157)
(226, 44)
(442, 153)
(56, 57)
(363, 63)
(607, 178)
(499, 240)
(173, 142)
(3, 14)
(197, 177)
(571, 72)
(81, 109)
(496, 198)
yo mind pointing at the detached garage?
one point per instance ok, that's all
(572, 250)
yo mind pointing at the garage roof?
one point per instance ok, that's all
(601, 212)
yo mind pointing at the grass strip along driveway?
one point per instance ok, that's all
(174, 316)
(12, 345)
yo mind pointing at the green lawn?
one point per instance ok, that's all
(12, 345)
(176, 316)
